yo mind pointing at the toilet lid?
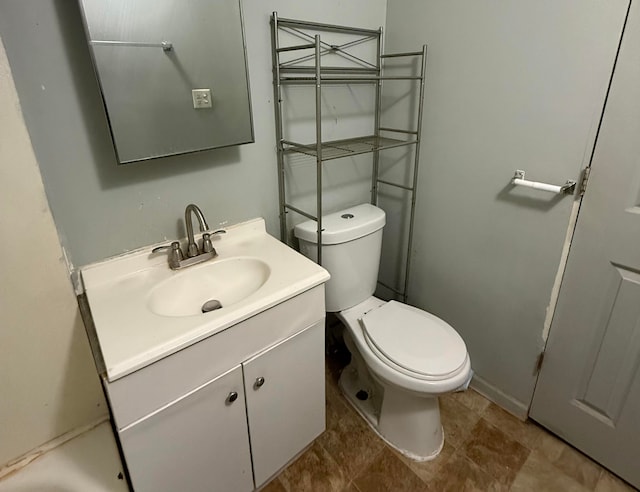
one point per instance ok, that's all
(414, 339)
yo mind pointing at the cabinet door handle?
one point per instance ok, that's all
(233, 396)
(259, 382)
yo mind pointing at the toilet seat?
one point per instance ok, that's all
(414, 342)
(387, 371)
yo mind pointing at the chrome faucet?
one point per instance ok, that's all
(194, 255)
(192, 247)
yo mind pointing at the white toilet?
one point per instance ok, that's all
(402, 358)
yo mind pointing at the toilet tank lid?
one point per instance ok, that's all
(345, 225)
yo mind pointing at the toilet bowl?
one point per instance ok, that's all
(402, 358)
(402, 387)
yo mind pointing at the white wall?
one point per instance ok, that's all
(102, 209)
(48, 384)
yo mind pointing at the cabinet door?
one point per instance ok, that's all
(285, 400)
(196, 443)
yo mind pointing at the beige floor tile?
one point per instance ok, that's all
(348, 438)
(427, 470)
(486, 450)
(550, 446)
(457, 420)
(388, 473)
(460, 474)
(569, 460)
(472, 400)
(274, 486)
(495, 452)
(332, 370)
(540, 475)
(314, 471)
(333, 391)
(526, 433)
(336, 404)
(351, 488)
(610, 483)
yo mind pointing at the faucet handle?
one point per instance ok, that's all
(174, 246)
(157, 249)
(207, 246)
(175, 255)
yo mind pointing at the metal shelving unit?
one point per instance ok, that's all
(307, 69)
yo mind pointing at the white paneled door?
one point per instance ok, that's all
(588, 391)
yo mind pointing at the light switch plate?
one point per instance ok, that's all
(201, 98)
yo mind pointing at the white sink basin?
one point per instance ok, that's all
(144, 311)
(226, 281)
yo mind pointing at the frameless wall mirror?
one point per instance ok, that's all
(173, 74)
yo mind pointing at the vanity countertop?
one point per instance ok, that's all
(132, 336)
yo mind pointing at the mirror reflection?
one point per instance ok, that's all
(173, 74)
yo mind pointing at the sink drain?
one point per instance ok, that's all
(211, 305)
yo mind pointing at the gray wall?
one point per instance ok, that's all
(507, 87)
(515, 85)
(102, 209)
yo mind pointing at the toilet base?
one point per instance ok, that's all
(401, 408)
(407, 422)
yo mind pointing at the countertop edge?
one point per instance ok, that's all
(133, 364)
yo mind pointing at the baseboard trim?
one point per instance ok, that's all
(22, 461)
(510, 404)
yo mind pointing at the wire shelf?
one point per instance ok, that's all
(345, 65)
(348, 147)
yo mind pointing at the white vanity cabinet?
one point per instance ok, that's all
(197, 443)
(228, 412)
(216, 401)
(284, 388)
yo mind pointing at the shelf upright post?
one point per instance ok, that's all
(319, 146)
(277, 99)
(407, 268)
(376, 131)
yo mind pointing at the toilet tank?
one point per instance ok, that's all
(351, 245)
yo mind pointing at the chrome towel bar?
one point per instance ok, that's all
(165, 45)
(567, 188)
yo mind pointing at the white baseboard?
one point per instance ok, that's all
(510, 404)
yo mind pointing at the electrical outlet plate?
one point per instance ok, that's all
(201, 98)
